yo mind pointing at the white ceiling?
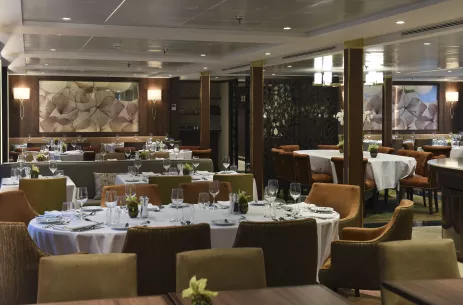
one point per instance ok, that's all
(160, 38)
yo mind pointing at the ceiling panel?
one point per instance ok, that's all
(58, 42)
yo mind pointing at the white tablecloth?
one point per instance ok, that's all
(183, 154)
(111, 147)
(385, 169)
(68, 156)
(126, 178)
(456, 152)
(107, 240)
(9, 185)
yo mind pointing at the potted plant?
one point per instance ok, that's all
(144, 155)
(132, 206)
(373, 149)
(243, 202)
(198, 293)
(35, 172)
(41, 157)
(341, 147)
(187, 168)
(64, 147)
(449, 142)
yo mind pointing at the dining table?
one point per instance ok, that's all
(456, 152)
(386, 170)
(152, 300)
(59, 239)
(72, 155)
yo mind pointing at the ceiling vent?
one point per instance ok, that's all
(236, 67)
(433, 28)
(310, 53)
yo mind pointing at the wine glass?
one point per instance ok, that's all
(177, 200)
(295, 192)
(137, 163)
(132, 171)
(130, 190)
(226, 163)
(136, 137)
(214, 189)
(166, 136)
(103, 150)
(195, 163)
(188, 214)
(128, 152)
(273, 183)
(66, 212)
(204, 200)
(74, 144)
(118, 137)
(269, 196)
(52, 165)
(81, 197)
(111, 202)
(166, 164)
(173, 171)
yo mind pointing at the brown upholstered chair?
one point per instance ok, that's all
(354, 258)
(14, 207)
(202, 153)
(397, 144)
(190, 148)
(290, 249)
(87, 277)
(438, 151)
(344, 199)
(408, 260)
(422, 142)
(13, 156)
(328, 147)
(385, 150)
(225, 269)
(116, 155)
(420, 179)
(156, 250)
(89, 155)
(284, 169)
(304, 174)
(166, 184)
(122, 149)
(44, 194)
(289, 148)
(191, 191)
(160, 154)
(408, 146)
(19, 264)
(149, 190)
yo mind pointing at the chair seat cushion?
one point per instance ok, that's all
(322, 178)
(326, 264)
(370, 184)
(416, 181)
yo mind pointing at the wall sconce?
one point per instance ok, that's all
(452, 99)
(21, 94)
(154, 95)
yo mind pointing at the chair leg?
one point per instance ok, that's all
(386, 196)
(436, 203)
(431, 210)
(424, 197)
(357, 293)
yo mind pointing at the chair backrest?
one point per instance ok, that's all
(19, 264)
(156, 250)
(386, 150)
(275, 153)
(122, 149)
(244, 268)
(89, 156)
(401, 223)
(202, 153)
(290, 249)
(415, 260)
(44, 194)
(190, 148)
(328, 147)
(14, 207)
(397, 144)
(421, 158)
(87, 277)
(422, 142)
(303, 169)
(287, 166)
(115, 155)
(346, 201)
(191, 191)
(289, 148)
(438, 151)
(238, 182)
(408, 146)
(166, 184)
(339, 166)
(149, 190)
(160, 154)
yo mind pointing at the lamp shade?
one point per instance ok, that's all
(21, 93)
(451, 96)
(154, 95)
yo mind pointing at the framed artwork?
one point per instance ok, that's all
(373, 102)
(415, 107)
(75, 106)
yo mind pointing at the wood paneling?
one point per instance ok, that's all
(205, 105)
(30, 124)
(387, 112)
(257, 124)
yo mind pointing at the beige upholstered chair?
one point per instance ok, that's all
(290, 249)
(354, 258)
(44, 194)
(225, 269)
(191, 191)
(304, 174)
(78, 277)
(415, 260)
(343, 198)
(156, 250)
(111, 156)
(238, 182)
(166, 184)
(19, 263)
(15, 207)
(202, 153)
(149, 190)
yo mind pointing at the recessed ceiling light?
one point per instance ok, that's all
(205, 68)
(400, 22)
(216, 77)
(427, 43)
(286, 28)
(203, 55)
(154, 50)
(65, 18)
(267, 54)
(449, 71)
(398, 72)
(273, 74)
(46, 64)
(53, 50)
(290, 66)
(170, 74)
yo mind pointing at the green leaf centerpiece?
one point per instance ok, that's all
(198, 293)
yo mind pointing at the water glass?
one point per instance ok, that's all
(130, 189)
(132, 171)
(111, 199)
(98, 157)
(295, 192)
(180, 169)
(166, 164)
(177, 200)
(173, 171)
(195, 163)
(15, 173)
(269, 196)
(188, 213)
(59, 173)
(81, 197)
(214, 189)
(226, 163)
(122, 203)
(27, 172)
(137, 163)
(204, 200)
(53, 166)
(66, 211)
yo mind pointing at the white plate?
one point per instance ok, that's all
(174, 206)
(322, 209)
(224, 222)
(48, 220)
(259, 203)
(120, 227)
(92, 208)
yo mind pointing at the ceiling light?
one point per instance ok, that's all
(154, 50)
(203, 55)
(46, 64)
(65, 18)
(170, 74)
(273, 74)
(205, 68)
(427, 43)
(267, 54)
(290, 66)
(398, 72)
(400, 22)
(53, 50)
(216, 77)
(286, 28)
(449, 71)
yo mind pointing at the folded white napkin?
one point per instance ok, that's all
(147, 174)
(227, 172)
(203, 173)
(152, 207)
(51, 213)
(111, 159)
(78, 224)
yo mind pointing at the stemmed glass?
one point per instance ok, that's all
(74, 144)
(130, 190)
(21, 161)
(136, 137)
(176, 150)
(128, 152)
(269, 196)
(195, 163)
(166, 164)
(226, 163)
(111, 202)
(166, 136)
(295, 192)
(273, 183)
(188, 214)
(103, 150)
(177, 200)
(204, 200)
(214, 189)
(81, 197)
(137, 163)
(118, 137)
(53, 166)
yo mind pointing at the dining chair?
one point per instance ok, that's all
(77, 277)
(14, 207)
(202, 153)
(284, 169)
(438, 151)
(19, 264)
(397, 144)
(354, 257)
(328, 147)
(115, 155)
(225, 269)
(44, 194)
(238, 182)
(166, 184)
(408, 260)
(160, 154)
(122, 149)
(156, 249)
(149, 190)
(385, 150)
(289, 148)
(290, 249)
(343, 198)
(191, 191)
(89, 155)
(408, 146)
(422, 142)
(304, 174)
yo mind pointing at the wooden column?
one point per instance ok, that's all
(353, 116)
(257, 123)
(387, 111)
(205, 119)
